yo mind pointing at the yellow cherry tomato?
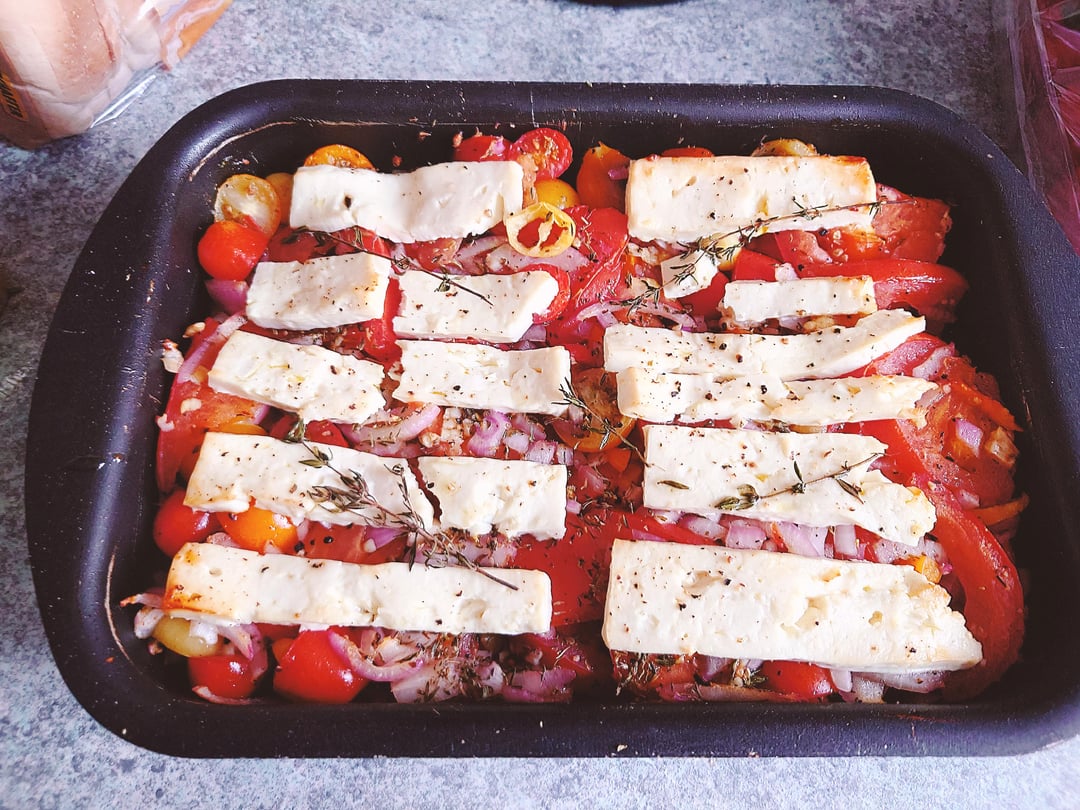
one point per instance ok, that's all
(250, 200)
(282, 183)
(556, 192)
(540, 230)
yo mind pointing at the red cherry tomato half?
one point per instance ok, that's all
(432, 254)
(177, 524)
(482, 147)
(562, 296)
(313, 670)
(230, 250)
(549, 150)
(805, 681)
(227, 675)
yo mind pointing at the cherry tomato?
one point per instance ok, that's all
(805, 681)
(562, 296)
(249, 200)
(480, 147)
(339, 155)
(601, 180)
(548, 149)
(556, 192)
(254, 528)
(227, 675)
(312, 670)
(176, 524)
(687, 151)
(230, 250)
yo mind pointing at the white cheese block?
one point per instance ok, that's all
(493, 308)
(752, 302)
(244, 586)
(314, 382)
(484, 494)
(446, 200)
(670, 397)
(688, 272)
(706, 471)
(475, 376)
(831, 352)
(323, 292)
(685, 199)
(233, 470)
(673, 599)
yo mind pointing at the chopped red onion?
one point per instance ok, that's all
(231, 296)
(969, 434)
(930, 368)
(742, 533)
(531, 686)
(785, 272)
(918, 682)
(517, 441)
(542, 452)
(841, 679)
(845, 542)
(220, 335)
(396, 432)
(806, 541)
(488, 435)
(707, 528)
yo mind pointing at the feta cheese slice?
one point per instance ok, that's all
(454, 199)
(492, 308)
(831, 352)
(244, 586)
(818, 479)
(320, 293)
(685, 199)
(670, 397)
(484, 494)
(753, 302)
(476, 376)
(234, 470)
(675, 599)
(314, 382)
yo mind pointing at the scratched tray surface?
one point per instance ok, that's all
(90, 491)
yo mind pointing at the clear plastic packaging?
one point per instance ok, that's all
(1044, 38)
(66, 65)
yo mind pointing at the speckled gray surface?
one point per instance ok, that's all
(52, 754)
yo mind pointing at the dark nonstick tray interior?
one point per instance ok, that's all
(90, 492)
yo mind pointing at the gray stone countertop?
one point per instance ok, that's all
(52, 754)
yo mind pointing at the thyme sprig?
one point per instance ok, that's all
(748, 497)
(606, 430)
(355, 496)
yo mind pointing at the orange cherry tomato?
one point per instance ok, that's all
(337, 154)
(687, 151)
(255, 527)
(596, 186)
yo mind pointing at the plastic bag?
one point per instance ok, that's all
(1044, 39)
(66, 65)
